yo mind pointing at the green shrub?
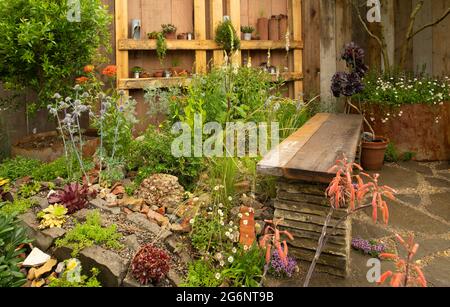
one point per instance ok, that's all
(86, 282)
(226, 36)
(19, 206)
(18, 167)
(43, 50)
(12, 235)
(201, 274)
(89, 233)
(247, 268)
(154, 155)
(29, 189)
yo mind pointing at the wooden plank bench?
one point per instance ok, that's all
(302, 162)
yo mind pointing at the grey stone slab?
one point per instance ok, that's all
(438, 182)
(428, 247)
(368, 231)
(410, 199)
(102, 204)
(398, 178)
(417, 167)
(440, 205)
(437, 272)
(43, 239)
(142, 222)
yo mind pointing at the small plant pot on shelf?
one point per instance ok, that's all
(372, 154)
(136, 75)
(158, 74)
(171, 36)
(247, 36)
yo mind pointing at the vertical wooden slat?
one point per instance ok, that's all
(235, 15)
(121, 9)
(388, 23)
(216, 13)
(311, 54)
(327, 51)
(441, 39)
(297, 36)
(423, 42)
(200, 32)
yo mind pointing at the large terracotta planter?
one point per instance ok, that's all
(283, 27)
(54, 149)
(418, 128)
(274, 29)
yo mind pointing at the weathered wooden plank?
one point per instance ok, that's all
(201, 44)
(327, 269)
(311, 54)
(297, 32)
(121, 9)
(217, 12)
(303, 198)
(310, 244)
(339, 135)
(302, 187)
(327, 51)
(200, 31)
(441, 39)
(273, 163)
(128, 84)
(235, 15)
(301, 217)
(423, 42)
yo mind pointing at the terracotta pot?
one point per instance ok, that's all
(158, 74)
(55, 150)
(372, 154)
(421, 129)
(182, 36)
(262, 27)
(283, 27)
(171, 36)
(274, 29)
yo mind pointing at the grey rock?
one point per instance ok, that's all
(132, 243)
(440, 205)
(174, 278)
(131, 282)
(113, 268)
(102, 204)
(143, 223)
(43, 239)
(41, 201)
(438, 182)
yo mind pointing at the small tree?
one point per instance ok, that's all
(41, 49)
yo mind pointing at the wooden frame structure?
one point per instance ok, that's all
(201, 45)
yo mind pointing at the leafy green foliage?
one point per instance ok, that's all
(161, 47)
(42, 49)
(207, 233)
(89, 233)
(226, 36)
(247, 268)
(30, 189)
(18, 167)
(12, 235)
(201, 274)
(392, 154)
(19, 206)
(86, 282)
(153, 155)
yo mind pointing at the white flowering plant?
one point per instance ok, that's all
(394, 90)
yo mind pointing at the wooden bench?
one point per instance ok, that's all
(302, 162)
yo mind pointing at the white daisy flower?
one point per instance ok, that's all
(218, 276)
(234, 250)
(245, 222)
(230, 259)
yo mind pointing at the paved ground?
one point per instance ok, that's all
(423, 207)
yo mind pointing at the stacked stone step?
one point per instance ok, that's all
(304, 208)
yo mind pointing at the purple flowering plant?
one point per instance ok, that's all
(370, 247)
(280, 268)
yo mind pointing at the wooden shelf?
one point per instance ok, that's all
(150, 44)
(135, 84)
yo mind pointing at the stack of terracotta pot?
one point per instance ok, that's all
(274, 28)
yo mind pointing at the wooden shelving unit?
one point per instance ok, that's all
(201, 45)
(135, 84)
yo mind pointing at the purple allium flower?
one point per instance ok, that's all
(278, 266)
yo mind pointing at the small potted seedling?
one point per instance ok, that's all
(169, 31)
(176, 69)
(137, 71)
(247, 30)
(152, 35)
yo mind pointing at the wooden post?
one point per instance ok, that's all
(327, 51)
(200, 33)
(297, 36)
(216, 18)
(235, 15)
(121, 9)
(388, 24)
(423, 42)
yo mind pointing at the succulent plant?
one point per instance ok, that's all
(74, 197)
(150, 264)
(52, 216)
(5, 195)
